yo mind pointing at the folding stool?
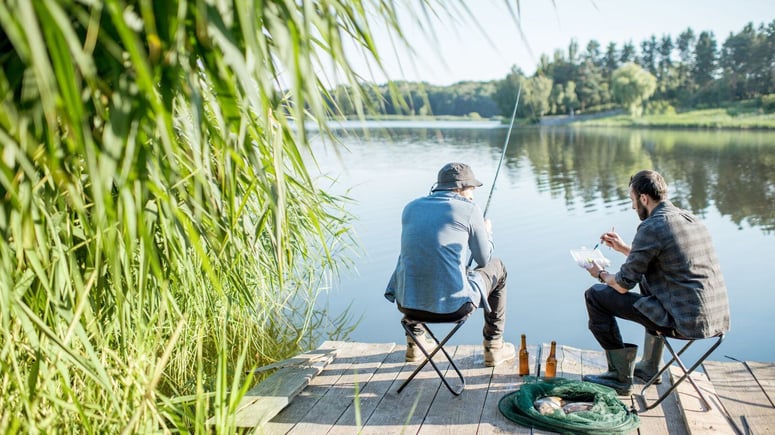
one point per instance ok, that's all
(643, 404)
(410, 320)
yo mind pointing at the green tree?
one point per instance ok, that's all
(539, 87)
(570, 101)
(746, 60)
(627, 54)
(611, 60)
(767, 52)
(593, 88)
(556, 98)
(632, 86)
(705, 58)
(593, 53)
(685, 44)
(534, 97)
(648, 58)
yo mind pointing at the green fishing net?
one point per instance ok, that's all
(606, 415)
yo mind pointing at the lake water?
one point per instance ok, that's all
(558, 189)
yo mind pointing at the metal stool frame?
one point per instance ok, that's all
(641, 399)
(407, 324)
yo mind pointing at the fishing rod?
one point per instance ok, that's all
(485, 303)
(503, 153)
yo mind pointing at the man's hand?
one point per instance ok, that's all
(615, 242)
(594, 269)
(488, 226)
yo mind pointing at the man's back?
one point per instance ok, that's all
(683, 273)
(437, 231)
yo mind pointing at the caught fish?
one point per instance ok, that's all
(548, 405)
(576, 407)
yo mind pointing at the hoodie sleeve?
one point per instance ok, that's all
(480, 240)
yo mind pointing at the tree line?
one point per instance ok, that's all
(689, 71)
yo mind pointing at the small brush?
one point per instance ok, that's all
(598, 243)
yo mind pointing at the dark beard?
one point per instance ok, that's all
(643, 212)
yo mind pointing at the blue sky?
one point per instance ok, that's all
(462, 52)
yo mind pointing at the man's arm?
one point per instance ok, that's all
(480, 242)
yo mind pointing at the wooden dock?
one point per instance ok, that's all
(346, 388)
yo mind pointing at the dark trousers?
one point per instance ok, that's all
(605, 304)
(494, 275)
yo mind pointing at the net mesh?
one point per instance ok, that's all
(607, 414)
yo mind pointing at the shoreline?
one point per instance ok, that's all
(703, 119)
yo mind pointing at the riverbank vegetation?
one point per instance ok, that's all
(721, 118)
(160, 234)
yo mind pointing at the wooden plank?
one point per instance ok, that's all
(764, 373)
(665, 418)
(742, 396)
(460, 414)
(307, 399)
(274, 393)
(298, 413)
(299, 360)
(362, 361)
(370, 395)
(403, 413)
(699, 419)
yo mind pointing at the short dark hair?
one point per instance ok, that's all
(650, 183)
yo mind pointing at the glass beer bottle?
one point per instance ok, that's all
(524, 370)
(551, 362)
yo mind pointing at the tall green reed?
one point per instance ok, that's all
(160, 233)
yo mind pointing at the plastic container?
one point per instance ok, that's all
(584, 257)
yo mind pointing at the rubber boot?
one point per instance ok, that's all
(611, 373)
(623, 361)
(653, 345)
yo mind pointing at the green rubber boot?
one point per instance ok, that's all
(653, 345)
(623, 361)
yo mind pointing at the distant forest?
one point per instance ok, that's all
(686, 72)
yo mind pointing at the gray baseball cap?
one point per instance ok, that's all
(455, 176)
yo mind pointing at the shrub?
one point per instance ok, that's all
(660, 107)
(768, 103)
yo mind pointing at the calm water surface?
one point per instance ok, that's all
(559, 189)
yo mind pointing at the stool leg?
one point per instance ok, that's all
(644, 406)
(429, 358)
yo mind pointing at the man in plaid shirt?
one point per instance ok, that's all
(682, 290)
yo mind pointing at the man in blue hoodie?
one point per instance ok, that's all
(432, 278)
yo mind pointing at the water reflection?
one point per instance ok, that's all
(730, 170)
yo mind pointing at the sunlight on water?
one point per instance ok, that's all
(560, 189)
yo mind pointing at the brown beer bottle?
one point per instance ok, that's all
(551, 362)
(524, 369)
